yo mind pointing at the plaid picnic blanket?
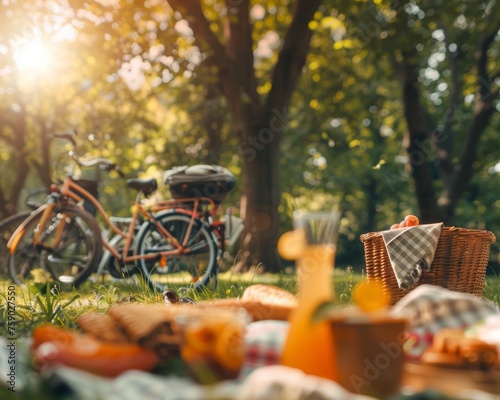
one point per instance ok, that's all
(411, 251)
(266, 383)
(430, 308)
(131, 385)
(264, 342)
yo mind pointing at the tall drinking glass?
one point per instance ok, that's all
(309, 346)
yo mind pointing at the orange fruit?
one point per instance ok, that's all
(370, 296)
(189, 355)
(229, 348)
(411, 220)
(201, 338)
(291, 244)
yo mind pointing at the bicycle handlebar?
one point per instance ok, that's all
(104, 163)
(114, 167)
(68, 136)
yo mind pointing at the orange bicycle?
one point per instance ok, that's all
(195, 240)
(61, 237)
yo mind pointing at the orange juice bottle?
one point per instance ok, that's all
(309, 346)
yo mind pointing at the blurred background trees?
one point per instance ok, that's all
(387, 108)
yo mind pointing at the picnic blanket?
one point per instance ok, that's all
(430, 308)
(411, 251)
(274, 382)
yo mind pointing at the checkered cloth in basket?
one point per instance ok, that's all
(411, 251)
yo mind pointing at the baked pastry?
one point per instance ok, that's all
(269, 294)
(154, 325)
(447, 340)
(478, 353)
(451, 348)
(102, 327)
(151, 325)
(262, 302)
(258, 310)
(441, 359)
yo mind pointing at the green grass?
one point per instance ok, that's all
(47, 302)
(492, 289)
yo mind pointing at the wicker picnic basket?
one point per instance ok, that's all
(459, 264)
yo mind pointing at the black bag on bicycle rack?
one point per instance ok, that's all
(211, 181)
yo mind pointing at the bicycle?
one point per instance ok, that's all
(64, 239)
(226, 233)
(198, 192)
(9, 224)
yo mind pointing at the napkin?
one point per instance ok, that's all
(411, 251)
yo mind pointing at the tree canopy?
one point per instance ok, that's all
(377, 107)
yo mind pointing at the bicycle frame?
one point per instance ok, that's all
(139, 210)
(181, 206)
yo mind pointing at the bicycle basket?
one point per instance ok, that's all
(91, 187)
(211, 181)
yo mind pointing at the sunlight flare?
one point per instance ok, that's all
(32, 55)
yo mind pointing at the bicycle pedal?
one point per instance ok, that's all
(41, 247)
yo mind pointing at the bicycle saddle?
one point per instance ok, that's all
(147, 186)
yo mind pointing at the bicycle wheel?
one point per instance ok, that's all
(69, 258)
(197, 263)
(7, 228)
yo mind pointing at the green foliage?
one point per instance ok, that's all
(37, 305)
(49, 307)
(343, 146)
(131, 77)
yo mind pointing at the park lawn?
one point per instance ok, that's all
(43, 303)
(46, 302)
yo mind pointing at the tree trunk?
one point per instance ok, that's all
(22, 169)
(260, 197)
(18, 142)
(480, 119)
(418, 142)
(45, 167)
(423, 144)
(212, 121)
(258, 127)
